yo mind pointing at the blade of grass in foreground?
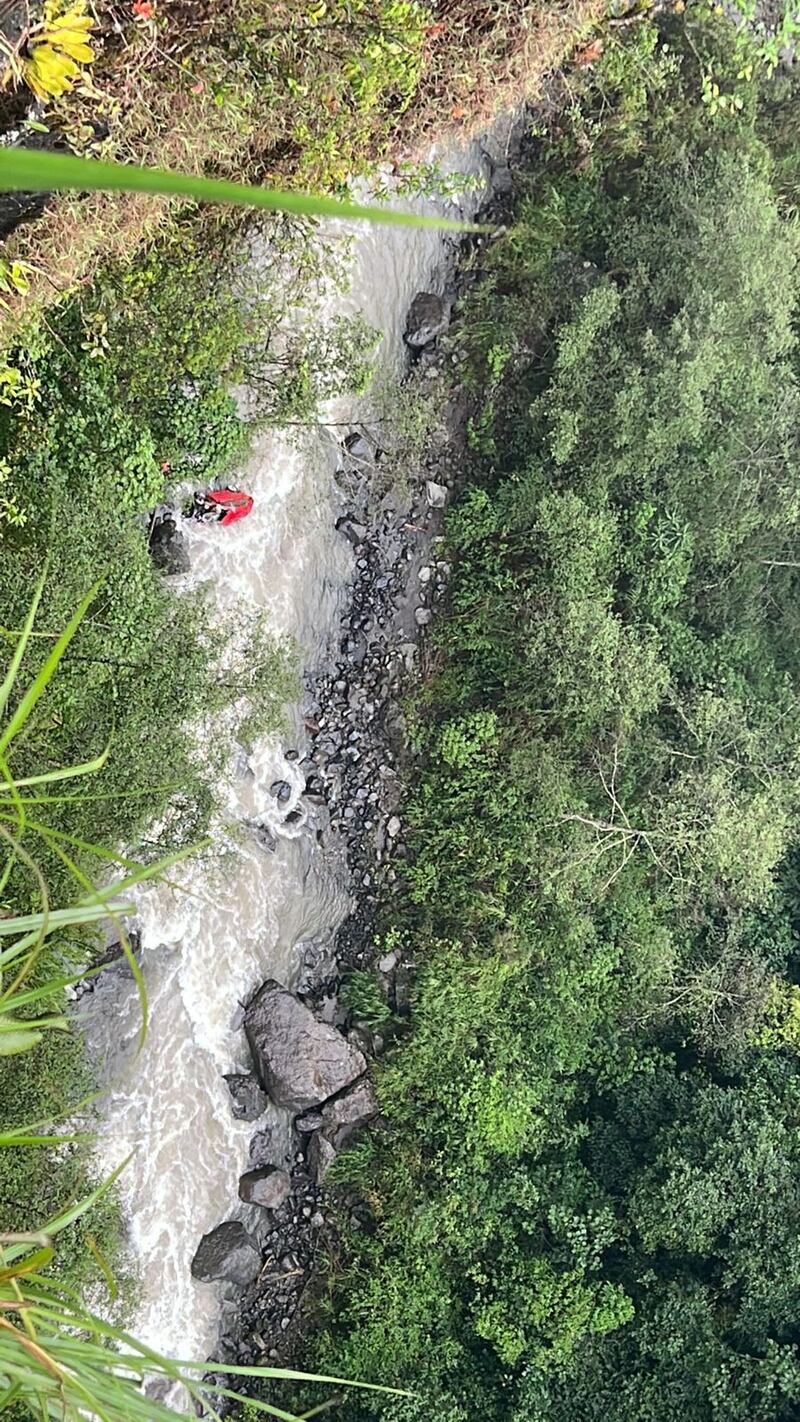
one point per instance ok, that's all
(24, 170)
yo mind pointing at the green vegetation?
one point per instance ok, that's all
(587, 1205)
(126, 389)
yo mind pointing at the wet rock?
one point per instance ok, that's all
(354, 532)
(248, 1101)
(422, 616)
(309, 1121)
(436, 494)
(282, 790)
(168, 547)
(264, 837)
(300, 1061)
(428, 318)
(262, 1149)
(403, 982)
(227, 1254)
(268, 1186)
(321, 1155)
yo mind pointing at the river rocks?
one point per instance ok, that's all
(340, 1120)
(248, 1101)
(321, 1155)
(359, 447)
(300, 1061)
(267, 1186)
(227, 1254)
(282, 791)
(436, 494)
(428, 318)
(263, 836)
(353, 531)
(344, 1115)
(423, 616)
(168, 547)
(352, 798)
(309, 1121)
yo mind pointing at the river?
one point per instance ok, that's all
(243, 913)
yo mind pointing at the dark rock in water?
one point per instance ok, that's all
(248, 1101)
(354, 532)
(262, 1149)
(268, 1186)
(168, 547)
(282, 790)
(321, 1155)
(301, 1062)
(227, 1254)
(291, 755)
(263, 835)
(359, 447)
(428, 317)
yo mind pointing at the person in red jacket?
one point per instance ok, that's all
(223, 506)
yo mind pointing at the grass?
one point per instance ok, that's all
(215, 88)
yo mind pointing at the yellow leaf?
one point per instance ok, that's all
(49, 73)
(58, 48)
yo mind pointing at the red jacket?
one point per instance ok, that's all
(236, 504)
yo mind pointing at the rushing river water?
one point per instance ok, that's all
(246, 909)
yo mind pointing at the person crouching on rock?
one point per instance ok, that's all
(223, 506)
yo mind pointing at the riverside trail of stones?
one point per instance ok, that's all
(355, 725)
(355, 765)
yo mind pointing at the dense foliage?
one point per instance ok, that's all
(587, 1205)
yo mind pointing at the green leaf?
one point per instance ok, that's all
(22, 170)
(46, 673)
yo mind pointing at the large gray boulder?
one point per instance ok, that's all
(428, 317)
(267, 1186)
(300, 1061)
(227, 1254)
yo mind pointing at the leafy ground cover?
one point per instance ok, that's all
(304, 93)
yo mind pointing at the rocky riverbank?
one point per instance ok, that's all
(310, 1049)
(354, 770)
